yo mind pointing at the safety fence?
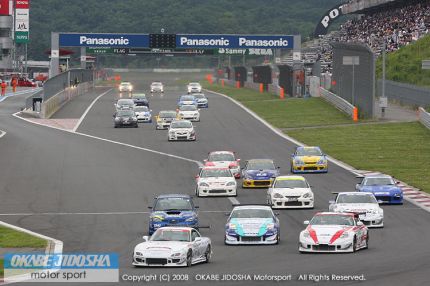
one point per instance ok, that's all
(339, 103)
(424, 117)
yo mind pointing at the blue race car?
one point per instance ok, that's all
(384, 188)
(202, 101)
(252, 224)
(259, 173)
(173, 210)
(187, 100)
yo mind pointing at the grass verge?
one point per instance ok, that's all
(1, 268)
(285, 113)
(399, 149)
(10, 238)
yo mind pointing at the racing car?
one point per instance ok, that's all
(309, 160)
(189, 112)
(214, 181)
(164, 118)
(156, 86)
(364, 204)
(259, 173)
(125, 118)
(143, 114)
(384, 188)
(124, 103)
(181, 130)
(173, 210)
(187, 100)
(194, 87)
(202, 101)
(252, 224)
(290, 192)
(125, 86)
(140, 99)
(224, 159)
(334, 232)
(173, 246)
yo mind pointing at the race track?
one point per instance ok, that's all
(93, 194)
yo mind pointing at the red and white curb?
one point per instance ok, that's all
(410, 194)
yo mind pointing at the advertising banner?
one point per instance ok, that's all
(22, 21)
(22, 4)
(4, 7)
(104, 40)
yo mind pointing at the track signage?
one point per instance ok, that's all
(104, 40)
(234, 41)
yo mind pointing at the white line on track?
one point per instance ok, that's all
(234, 201)
(89, 213)
(2, 133)
(88, 109)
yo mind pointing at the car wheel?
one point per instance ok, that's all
(197, 193)
(278, 237)
(136, 126)
(367, 241)
(354, 244)
(208, 253)
(189, 258)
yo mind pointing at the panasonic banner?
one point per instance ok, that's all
(66, 267)
(104, 40)
(235, 41)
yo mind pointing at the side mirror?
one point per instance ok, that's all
(357, 186)
(226, 214)
(278, 167)
(306, 222)
(360, 223)
(145, 238)
(276, 214)
(398, 183)
(198, 239)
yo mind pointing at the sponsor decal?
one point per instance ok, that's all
(327, 19)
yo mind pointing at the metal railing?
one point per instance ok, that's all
(337, 102)
(424, 117)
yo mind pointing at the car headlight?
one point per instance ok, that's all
(117, 118)
(307, 195)
(134, 118)
(344, 235)
(193, 218)
(157, 218)
(193, 133)
(176, 254)
(204, 185)
(270, 226)
(299, 162)
(231, 183)
(277, 196)
(322, 161)
(232, 226)
(137, 253)
(171, 132)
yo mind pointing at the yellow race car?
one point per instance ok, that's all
(309, 160)
(164, 118)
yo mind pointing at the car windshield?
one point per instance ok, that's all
(156, 84)
(125, 113)
(141, 109)
(332, 220)
(165, 204)
(167, 114)
(194, 84)
(290, 184)
(125, 83)
(221, 157)
(188, 108)
(187, 98)
(207, 173)
(261, 165)
(125, 102)
(356, 199)
(379, 181)
(171, 235)
(181, 124)
(251, 213)
(199, 96)
(309, 152)
(139, 96)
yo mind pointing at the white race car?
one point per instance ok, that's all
(290, 192)
(334, 232)
(224, 159)
(213, 181)
(189, 112)
(125, 86)
(194, 87)
(181, 130)
(363, 204)
(173, 246)
(157, 86)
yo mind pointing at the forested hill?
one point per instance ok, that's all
(175, 16)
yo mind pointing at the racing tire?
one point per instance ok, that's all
(189, 258)
(354, 244)
(208, 254)
(136, 126)
(367, 241)
(197, 193)
(278, 237)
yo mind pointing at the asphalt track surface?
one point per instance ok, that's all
(93, 194)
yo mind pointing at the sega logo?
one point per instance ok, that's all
(64, 261)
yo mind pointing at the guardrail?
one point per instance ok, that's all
(424, 117)
(339, 103)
